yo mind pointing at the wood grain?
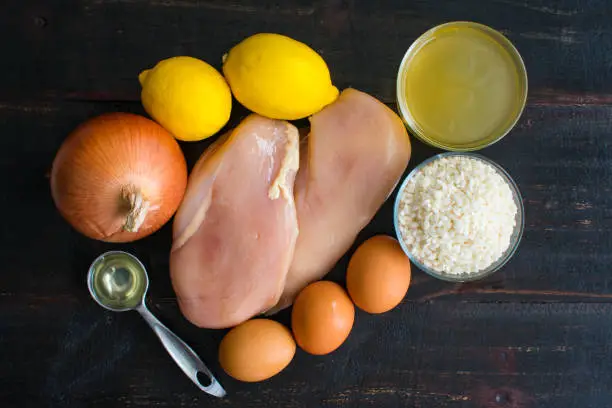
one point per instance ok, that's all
(535, 334)
(445, 354)
(94, 49)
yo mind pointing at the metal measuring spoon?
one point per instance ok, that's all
(118, 281)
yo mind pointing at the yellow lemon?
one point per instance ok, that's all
(278, 77)
(186, 96)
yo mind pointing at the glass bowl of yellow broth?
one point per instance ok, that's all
(461, 86)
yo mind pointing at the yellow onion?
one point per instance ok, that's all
(118, 177)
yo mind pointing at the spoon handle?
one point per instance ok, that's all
(182, 354)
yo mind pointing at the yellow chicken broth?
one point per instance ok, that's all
(462, 86)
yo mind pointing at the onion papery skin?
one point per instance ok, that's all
(118, 177)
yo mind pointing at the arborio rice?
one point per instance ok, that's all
(456, 215)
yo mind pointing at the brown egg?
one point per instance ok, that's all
(256, 350)
(378, 274)
(322, 317)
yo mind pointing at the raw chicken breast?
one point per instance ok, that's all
(235, 232)
(357, 151)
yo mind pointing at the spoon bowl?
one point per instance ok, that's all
(118, 281)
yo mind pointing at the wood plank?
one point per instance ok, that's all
(565, 252)
(94, 49)
(442, 354)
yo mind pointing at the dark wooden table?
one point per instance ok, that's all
(536, 334)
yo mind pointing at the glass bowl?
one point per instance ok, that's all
(443, 31)
(514, 239)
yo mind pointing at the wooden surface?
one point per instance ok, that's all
(536, 334)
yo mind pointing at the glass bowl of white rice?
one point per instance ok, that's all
(459, 216)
